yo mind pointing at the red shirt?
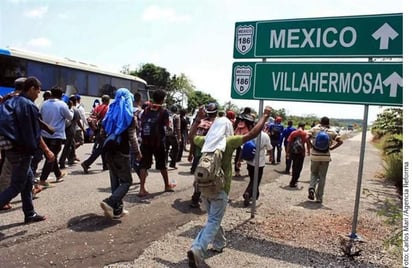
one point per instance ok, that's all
(302, 134)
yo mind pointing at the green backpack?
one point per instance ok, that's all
(209, 176)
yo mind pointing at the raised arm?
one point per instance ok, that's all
(254, 132)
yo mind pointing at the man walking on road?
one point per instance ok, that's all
(119, 122)
(23, 141)
(295, 152)
(154, 120)
(323, 140)
(212, 232)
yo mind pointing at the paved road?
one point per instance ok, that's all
(77, 235)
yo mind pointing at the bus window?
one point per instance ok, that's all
(10, 70)
(46, 73)
(96, 83)
(119, 83)
(73, 81)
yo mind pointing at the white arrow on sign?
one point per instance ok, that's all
(394, 80)
(384, 33)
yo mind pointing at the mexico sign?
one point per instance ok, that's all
(378, 83)
(352, 36)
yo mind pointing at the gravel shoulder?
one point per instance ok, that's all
(290, 231)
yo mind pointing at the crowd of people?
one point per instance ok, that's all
(128, 135)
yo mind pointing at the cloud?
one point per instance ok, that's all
(155, 13)
(40, 42)
(37, 12)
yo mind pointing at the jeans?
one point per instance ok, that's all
(297, 165)
(288, 162)
(21, 181)
(237, 158)
(318, 170)
(276, 157)
(96, 152)
(212, 232)
(55, 145)
(68, 149)
(251, 173)
(120, 177)
(173, 145)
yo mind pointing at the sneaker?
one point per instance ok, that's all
(319, 201)
(34, 218)
(311, 194)
(108, 210)
(60, 179)
(36, 189)
(246, 201)
(216, 249)
(194, 258)
(85, 168)
(45, 184)
(195, 205)
(169, 189)
(6, 207)
(121, 214)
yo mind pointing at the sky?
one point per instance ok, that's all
(184, 36)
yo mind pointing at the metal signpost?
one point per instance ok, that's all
(376, 83)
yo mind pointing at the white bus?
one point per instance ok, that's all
(72, 76)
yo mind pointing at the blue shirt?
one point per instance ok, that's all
(285, 134)
(55, 112)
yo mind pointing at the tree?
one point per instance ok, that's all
(231, 106)
(154, 75)
(180, 88)
(197, 99)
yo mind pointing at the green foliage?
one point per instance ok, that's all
(197, 99)
(154, 75)
(393, 169)
(388, 122)
(388, 130)
(393, 144)
(394, 215)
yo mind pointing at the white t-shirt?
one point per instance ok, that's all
(264, 146)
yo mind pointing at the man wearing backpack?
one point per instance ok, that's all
(100, 112)
(275, 134)
(265, 146)
(284, 139)
(173, 137)
(295, 152)
(200, 127)
(154, 121)
(120, 122)
(215, 206)
(243, 123)
(323, 140)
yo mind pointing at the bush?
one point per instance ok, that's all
(393, 169)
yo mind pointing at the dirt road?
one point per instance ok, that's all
(77, 235)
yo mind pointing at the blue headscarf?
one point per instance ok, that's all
(120, 113)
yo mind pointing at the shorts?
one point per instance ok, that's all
(147, 156)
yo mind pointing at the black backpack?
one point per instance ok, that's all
(297, 146)
(152, 131)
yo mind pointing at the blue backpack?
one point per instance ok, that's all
(249, 150)
(322, 141)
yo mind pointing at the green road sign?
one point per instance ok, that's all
(354, 36)
(377, 83)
